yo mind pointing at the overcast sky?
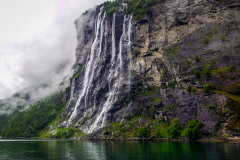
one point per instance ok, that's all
(37, 39)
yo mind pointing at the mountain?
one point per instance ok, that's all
(150, 69)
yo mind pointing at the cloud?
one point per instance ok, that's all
(44, 56)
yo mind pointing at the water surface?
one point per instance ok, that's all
(115, 150)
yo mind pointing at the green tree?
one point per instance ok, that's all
(175, 128)
(29, 132)
(143, 132)
(197, 58)
(188, 89)
(193, 129)
(207, 71)
(207, 88)
(197, 73)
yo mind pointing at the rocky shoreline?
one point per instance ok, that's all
(220, 139)
(165, 139)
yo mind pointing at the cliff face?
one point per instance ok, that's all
(181, 60)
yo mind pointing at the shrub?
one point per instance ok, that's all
(163, 120)
(188, 62)
(67, 133)
(111, 11)
(161, 130)
(207, 88)
(157, 100)
(29, 132)
(148, 91)
(210, 35)
(233, 77)
(188, 89)
(207, 71)
(164, 72)
(197, 73)
(223, 38)
(129, 118)
(206, 40)
(195, 113)
(176, 128)
(85, 13)
(171, 85)
(210, 106)
(194, 89)
(68, 89)
(226, 135)
(75, 75)
(168, 108)
(230, 68)
(193, 129)
(197, 58)
(143, 132)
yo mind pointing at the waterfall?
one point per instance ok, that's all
(105, 35)
(110, 76)
(113, 40)
(96, 60)
(117, 71)
(72, 90)
(115, 74)
(89, 67)
(129, 54)
(121, 44)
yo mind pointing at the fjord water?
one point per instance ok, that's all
(114, 150)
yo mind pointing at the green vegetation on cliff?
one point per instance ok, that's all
(139, 7)
(110, 7)
(68, 133)
(142, 127)
(30, 122)
(135, 7)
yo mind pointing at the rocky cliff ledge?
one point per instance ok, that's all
(181, 60)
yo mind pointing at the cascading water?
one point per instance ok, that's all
(72, 91)
(121, 44)
(89, 67)
(129, 54)
(96, 60)
(113, 52)
(116, 74)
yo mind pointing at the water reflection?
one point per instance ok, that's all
(114, 150)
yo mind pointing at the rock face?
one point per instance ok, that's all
(142, 67)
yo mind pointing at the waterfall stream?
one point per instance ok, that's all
(117, 75)
(121, 45)
(129, 55)
(96, 60)
(110, 76)
(88, 68)
(72, 91)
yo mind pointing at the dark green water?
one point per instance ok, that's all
(97, 150)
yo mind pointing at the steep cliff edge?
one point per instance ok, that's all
(135, 74)
(179, 60)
